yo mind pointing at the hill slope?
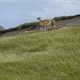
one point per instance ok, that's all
(68, 22)
(60, 22)
(50, 55)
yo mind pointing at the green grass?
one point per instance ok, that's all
(50, 55)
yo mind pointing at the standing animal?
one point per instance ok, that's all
(46, 23)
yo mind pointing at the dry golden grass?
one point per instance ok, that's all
(50, 55)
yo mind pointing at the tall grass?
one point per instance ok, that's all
(50, 55)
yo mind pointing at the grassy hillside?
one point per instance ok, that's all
(66, 17)
(61, 20)
(50, 55)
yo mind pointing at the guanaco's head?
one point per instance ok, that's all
(39, 18)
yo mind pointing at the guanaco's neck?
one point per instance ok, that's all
(40, 20)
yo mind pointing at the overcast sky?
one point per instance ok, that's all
(16, 12)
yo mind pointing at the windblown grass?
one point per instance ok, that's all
(50, 55)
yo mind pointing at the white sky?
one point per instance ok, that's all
(16, 12)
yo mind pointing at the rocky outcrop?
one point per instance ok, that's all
(1, 27)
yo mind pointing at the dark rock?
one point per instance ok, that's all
(1, 27)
